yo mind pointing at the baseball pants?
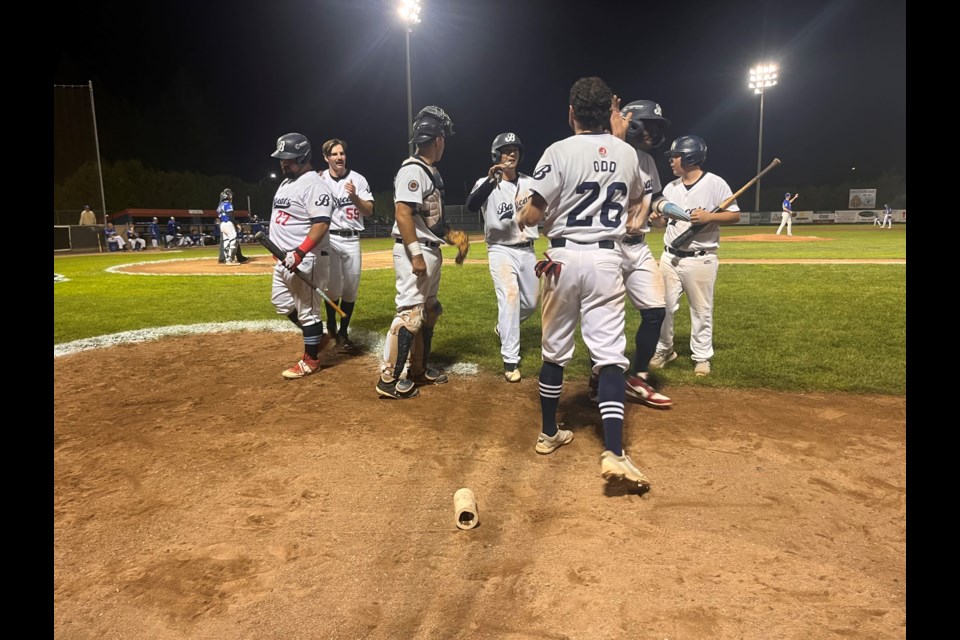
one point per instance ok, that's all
(695, 276)
(786, 219)
(345, 265)
(590, 290)
(642, 277)
(516, 286)
(412, 290)
(291, 293)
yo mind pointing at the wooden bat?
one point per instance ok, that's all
(280, 254)
(684, 237)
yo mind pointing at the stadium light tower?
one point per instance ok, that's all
(762, 76)
(409, 11)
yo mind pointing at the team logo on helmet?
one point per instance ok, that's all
(603, 152)
(657, 110)
(413, 185)
(542, 172)
(281, 144)
(510, 138)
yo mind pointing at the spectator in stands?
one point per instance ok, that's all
(133, 238)
(87, 216)
(153, 230)
(114, 241)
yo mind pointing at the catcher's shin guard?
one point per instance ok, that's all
(400, 339)
(423, 342)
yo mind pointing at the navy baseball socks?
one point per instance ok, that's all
(551, 384)
(615, 464)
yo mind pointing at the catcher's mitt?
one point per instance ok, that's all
(461, 241)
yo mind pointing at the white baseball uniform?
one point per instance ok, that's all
(641, 275)
(298, 205)
(414, 186)
(511, 259)
(786, 217)
(694, 268)
(587, 181)
(346, 224)
(887, 218)
(228, 231)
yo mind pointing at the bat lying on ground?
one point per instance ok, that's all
(684, 237)
(279, 254)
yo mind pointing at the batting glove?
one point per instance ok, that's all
(548, 267)
(293, 259)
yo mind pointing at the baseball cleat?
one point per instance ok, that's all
(346, 346)
(640, 389)
(429, 376)
(548, 444)
(614, 467)
(660, 359)
(305, 367)
(399, 389)
(702, 368)
(512, 376)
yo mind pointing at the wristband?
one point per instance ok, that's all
(306, 246)
(414, 248)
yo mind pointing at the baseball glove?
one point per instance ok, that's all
(461, 241)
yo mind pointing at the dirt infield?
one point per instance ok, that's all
(384, 260)
(198, 496)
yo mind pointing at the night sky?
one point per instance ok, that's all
(209, 86)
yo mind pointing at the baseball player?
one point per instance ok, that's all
(228, 231)
(786, 213)
(352, 202)
(153, 230)
(114, 238)
(302, 208)
(887, 217)
(134, 240)
(583, 187)
(641, 275)
(171, 234)
(419, 231)
(500, 195)
(692, 269)
(227, 243)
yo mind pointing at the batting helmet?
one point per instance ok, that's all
(293, 145)
(226, 194)
(432, 122)
(786, 195)
(691, 149)
(647, 116)
(505, 140)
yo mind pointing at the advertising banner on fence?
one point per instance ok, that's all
(863, 199)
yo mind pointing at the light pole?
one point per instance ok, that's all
(761, 77)
(409, 11)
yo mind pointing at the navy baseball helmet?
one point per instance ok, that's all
(647, 116)
(505, 140)
(786, 195)
(293, 146)
(432, 122)
(691, 149)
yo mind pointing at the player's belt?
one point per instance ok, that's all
(519, 245)
(562, 242)
(345, 233)
(684, 254)
(426, 243)
(634, 239)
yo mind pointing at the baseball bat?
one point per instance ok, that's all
(684, 237)
(280, 254)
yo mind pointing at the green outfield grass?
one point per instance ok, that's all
(804, 327)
